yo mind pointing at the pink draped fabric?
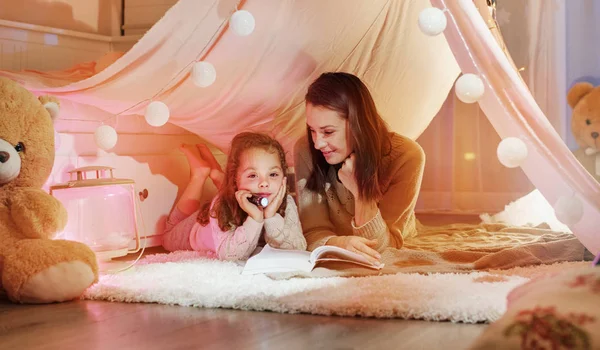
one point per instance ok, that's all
(513, 112)
(262, 78)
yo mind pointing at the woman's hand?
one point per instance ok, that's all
(347, 176)
(359, 245)
(273, 207)
(252, 210)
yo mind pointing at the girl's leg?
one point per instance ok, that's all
(189, 201)
(177, 231)
(183, 216)
(216, 173)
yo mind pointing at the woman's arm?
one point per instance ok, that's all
(312, 207)
(395, 210)
(285, 233)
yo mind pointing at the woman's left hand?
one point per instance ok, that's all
(274, 205)
(347, 176)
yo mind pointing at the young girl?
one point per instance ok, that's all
(230, 225)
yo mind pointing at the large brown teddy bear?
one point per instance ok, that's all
(33, 267)
(584, 98)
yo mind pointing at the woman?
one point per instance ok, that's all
(357, 182)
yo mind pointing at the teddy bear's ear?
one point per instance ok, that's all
(577, 92)
(51, 104)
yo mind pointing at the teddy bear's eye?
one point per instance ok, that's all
(588, 122)
(20, 147)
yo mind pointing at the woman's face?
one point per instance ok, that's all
(329, 132)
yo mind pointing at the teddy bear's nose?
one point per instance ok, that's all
(595, 135)
(4, 157)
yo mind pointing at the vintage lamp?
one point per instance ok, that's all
(102, 212)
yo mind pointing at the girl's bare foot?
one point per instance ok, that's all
(199, 168)
(216, 172)
(217, 176)
(208, 156)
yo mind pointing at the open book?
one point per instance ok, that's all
(272, 260)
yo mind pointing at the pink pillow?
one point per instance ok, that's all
(561, 311)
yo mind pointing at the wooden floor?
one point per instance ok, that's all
(103, 325)
(92, 325)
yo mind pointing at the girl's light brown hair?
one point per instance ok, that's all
(369, 135)
(227, 209)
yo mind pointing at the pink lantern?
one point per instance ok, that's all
(102, 212)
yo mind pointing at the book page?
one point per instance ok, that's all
(270, 260)
(333, 253)
(326, 259)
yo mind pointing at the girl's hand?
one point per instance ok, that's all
(273, 207)
(359, 245)
(252, 210)
(347, 176)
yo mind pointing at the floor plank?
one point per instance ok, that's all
(104, 325)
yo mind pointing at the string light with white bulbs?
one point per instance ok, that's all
(202, 73)
(512, 151)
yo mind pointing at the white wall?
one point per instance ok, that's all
(140, 15)
(583, 46)
(23, 46)
(88, 16)
(557, 44)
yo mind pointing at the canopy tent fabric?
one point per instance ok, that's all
(262, 78)
(513, 112)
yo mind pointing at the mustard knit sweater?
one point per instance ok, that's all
(324, 215)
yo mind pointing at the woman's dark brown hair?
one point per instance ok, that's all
(227, 209)
(370, 138)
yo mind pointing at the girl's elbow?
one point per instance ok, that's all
(223, 256)
(303, 245)
(300, 244)
(232, 257)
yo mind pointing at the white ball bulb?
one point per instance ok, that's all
(432, 21)
(242, 23)
(106, 137)
(568, 210)
(157, 113)
(512, 152)
(203, 74)
(469, 88)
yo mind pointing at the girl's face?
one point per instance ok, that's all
(329, 132)
(260, 172)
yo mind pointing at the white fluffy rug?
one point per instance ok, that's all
(186, 278)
